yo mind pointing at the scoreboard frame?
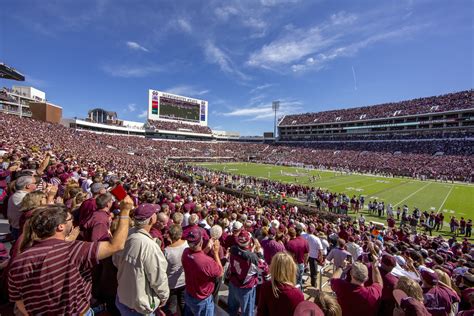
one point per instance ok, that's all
(154, 97)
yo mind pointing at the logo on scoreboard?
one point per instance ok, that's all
(154, 103)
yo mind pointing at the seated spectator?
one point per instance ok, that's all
(280, 296)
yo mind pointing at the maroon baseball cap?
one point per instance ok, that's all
(389, 260)
(409, 305)
(429, 276)
(244, 238)
(194, 236)
(145, 211)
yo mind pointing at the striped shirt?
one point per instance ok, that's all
(53, 277)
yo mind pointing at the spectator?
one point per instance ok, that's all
(23, 186)
(142, 277)
(31, 270)
(299, 248)
(328, 304)
(245, 262)
(387, 303)
(270, 246)
(280, 296)
(175, 272)
(439, 299)
(351, 294)
(97, 226)
(339, 254)
(406, 305)
(315, 255)
(200, 272)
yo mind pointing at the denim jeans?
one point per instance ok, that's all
(197, 307)
(243, 298)
(313, 270)
(127, 311)
(299, 275)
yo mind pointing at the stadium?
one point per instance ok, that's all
(348, 209)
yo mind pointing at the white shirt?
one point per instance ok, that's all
(325, 245)
(314, 243)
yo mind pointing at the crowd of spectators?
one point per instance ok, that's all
(96, 227)
(179, 127)
(447, 102)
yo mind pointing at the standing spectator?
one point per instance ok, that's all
(244, 264)
(88, 207)
(315, 255)
(387, 303)
(97, 226)
(469, 228)
(200, 273)
(339, 254)
(142, 278)
(175, 272)
(270, 246)
(298, 247)
(353, 296)
(280, 296)
(23, 186)
(31, 286)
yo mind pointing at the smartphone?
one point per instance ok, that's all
(119, 192)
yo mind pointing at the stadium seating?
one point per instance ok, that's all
(179, 127)
(447, 102)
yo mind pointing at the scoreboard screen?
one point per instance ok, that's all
(169, 106)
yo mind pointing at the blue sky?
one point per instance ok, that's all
(238, 55)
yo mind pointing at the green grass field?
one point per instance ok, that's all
(452, 199)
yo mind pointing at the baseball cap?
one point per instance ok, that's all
(145, 211)
(237, 226)
(194, 236)
(272, 231)
(307, 308)
(244, 238)
(96, 187)
(409, 305)
(389, 260)
(429, 276)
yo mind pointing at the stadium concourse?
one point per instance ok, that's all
(151, 239)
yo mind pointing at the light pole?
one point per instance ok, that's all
(275, 108)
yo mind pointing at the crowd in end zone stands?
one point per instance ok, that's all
(94, 227)
(447, 102)
(179, 127)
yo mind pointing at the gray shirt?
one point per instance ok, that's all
(175, 269)
(14, 207)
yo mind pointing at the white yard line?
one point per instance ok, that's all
(413, 193)
(446, 198)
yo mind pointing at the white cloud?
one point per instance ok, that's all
(223, 13)
(131, 107)
(343, 34)
(264, 111)
(217, 56)
(261, 87)
(271, 3)
(136, 46)
(184, 25)
(187, 90)
(131, 71)
(143, 114)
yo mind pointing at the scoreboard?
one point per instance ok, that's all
(168, 106)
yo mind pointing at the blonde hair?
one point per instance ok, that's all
(328, 304)
(32, 200)
(443, 277)
(282, 270)
(410, 287)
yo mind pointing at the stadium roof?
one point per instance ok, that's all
(7, 72)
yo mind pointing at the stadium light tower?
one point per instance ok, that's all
(275, 108)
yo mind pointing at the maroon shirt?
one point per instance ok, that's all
(388, 301)
(97, 227)
(298, 248)
(350, 297)
(85, 211)
(288, 298)
(200, 272)
(53, 277)
(270, 248)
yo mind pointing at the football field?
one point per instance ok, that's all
(452, 199)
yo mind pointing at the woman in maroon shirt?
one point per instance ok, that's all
(280, 296)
